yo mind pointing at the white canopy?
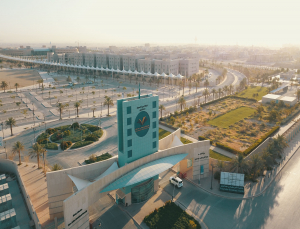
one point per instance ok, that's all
(80, 183)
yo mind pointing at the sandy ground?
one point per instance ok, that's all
(24, 77)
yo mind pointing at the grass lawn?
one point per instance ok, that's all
(170, 216)
(248, 93)
(163, 133)
(218, 156)
(232, 117)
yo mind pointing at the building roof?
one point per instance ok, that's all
(288, 98)
(145, 172)
(80, 183)
(271, 96)
(111, 169)
(278, 89)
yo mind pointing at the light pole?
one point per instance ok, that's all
(33, 114)
(173, 192)
(212, 174)
(2, 129)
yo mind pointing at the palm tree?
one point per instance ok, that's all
(17, 85)
(205, 93)
(298, 94)
(17, 148)
(56, 167)
(181, 102)
(36, 151)
(238, 164)
(77, 105)
(230, 88)
(206, 84)
(78, 79)
(4, 85)
(213, 91)
(60, 108)
(161, 108)
(225, 89)
(93, 109)
(11, 122)
(196, 85)
(257, 164)
(220, 91)
(220, 165)
(109, 102)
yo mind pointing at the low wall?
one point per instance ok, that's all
(60, 186)
(11, 167)
(166, 142)
(259, 149)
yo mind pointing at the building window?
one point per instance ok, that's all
(129, 143)
(128, 121)
(129, 132)
(128, 110)
(154, 134)
(129, 153)
(202, 169)
(154, 104)
(154, 124)
(189, 162)
(154, 145)
(154, 114)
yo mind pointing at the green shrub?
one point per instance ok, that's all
(51, 131)
(90, 127)
(42, 137)
(56, 136)
(227, 148)
(67, 133)
(65, 145)
(75, 125)
(51, 146)
(81, 144)
(93, 158)
(185, 141)
(259, 141)
(201, 138)
(98, 133)
(62, 128)
(42, 141)
(92, 137)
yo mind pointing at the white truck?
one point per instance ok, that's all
(176, 181)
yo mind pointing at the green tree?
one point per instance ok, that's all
(69, 79)
(108, 102)
(206, 84)
(37, 151)
(4, 85)
(18, 147)
(11, 122)
(181, 102)
(77, 105)
(238, 164)
(93, 109)
(205, 93)
(17, 85)
(256, 164)
(60, 108)
(161, 108)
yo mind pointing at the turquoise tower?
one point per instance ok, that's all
(137, 127)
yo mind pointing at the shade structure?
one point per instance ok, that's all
(171, 75)
(124, 71)
(145, 172)
(129, 71)
(80, 183)
(118, 70)
(142, 73)
(136, 72)
(178, 76)
(149, 74)
(156, 74)
(102, 68)
(163, 75)
(107, 69)
(111, 169)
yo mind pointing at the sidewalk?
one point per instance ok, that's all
(223, 152)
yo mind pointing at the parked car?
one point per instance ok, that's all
(176, 181)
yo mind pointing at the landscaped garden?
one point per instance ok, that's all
(233, 123)
(70, 136)
(218, 156)
(253, 92)
(170, 216)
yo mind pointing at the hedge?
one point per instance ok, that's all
(62, 128)
(75, 125)
(90, 127)
(51, 146)
(227, 148)
(201, 138)
(290, 117)
(91, 137)
(50, 131)
(81, 144)
(65, 144)
(259, 141)
(42, 136)
(98, 133)
(102, 157)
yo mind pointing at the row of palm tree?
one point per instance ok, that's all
(4, 85)
(257, 163)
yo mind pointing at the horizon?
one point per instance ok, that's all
(94, 23)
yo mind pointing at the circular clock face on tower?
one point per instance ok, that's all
(142, 124)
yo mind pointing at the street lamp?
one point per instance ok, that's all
(2, 129)
(212, 174)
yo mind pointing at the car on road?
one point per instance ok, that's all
(176, 181)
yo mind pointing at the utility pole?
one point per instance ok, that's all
(212, 174)
(2, 129)
(33, 114)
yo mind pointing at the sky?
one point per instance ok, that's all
(161, 22)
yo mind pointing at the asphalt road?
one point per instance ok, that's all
(278, 207)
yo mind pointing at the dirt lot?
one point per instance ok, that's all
(25, 77)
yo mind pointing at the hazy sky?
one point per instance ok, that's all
(258, 22)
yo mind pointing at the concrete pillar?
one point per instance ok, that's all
(156, 186)
(128, 199)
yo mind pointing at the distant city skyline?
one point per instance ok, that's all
(124, 23)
